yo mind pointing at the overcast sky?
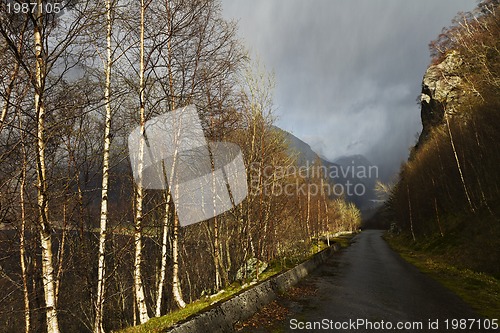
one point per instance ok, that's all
(348, 72)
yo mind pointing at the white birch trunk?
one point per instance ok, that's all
(216, 224)
(458, 163)
(163, 262)
(22, 249)
(43, 209)
(167, 193)
(217, 255)
(138, 286)
(176, 285)
(101, 268)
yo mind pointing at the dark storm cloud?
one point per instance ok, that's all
(348, 73)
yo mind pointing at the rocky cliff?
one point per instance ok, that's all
(443, 89)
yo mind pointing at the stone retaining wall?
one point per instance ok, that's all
(222, 317)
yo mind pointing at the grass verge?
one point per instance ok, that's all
(481, 291)
(161, 324)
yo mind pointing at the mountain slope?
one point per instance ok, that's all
(353, 177)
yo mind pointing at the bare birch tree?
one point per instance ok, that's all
(42, 195)
(140, 296)
(101, 269)
(22, 233)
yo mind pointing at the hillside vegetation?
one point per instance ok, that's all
(447, 197)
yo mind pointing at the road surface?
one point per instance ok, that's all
(369, 288)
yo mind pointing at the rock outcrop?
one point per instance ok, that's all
(442, 90)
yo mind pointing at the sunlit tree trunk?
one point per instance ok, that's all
(176, 286)
(140, 297)
(327, 218)
(217, 255)
(318, 223)
(42, 199)
(163, 261)
(216, 244)
(308, 211)
(169, 214)
(458, 163)
(22, 245)
(101, 269)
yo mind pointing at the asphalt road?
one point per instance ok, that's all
(369, 288)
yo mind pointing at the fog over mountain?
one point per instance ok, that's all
(348, 73)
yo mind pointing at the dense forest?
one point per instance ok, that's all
(84, 248)
(448, 192)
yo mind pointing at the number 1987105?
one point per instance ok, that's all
(33, 7)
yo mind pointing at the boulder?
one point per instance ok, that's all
(249, 269)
